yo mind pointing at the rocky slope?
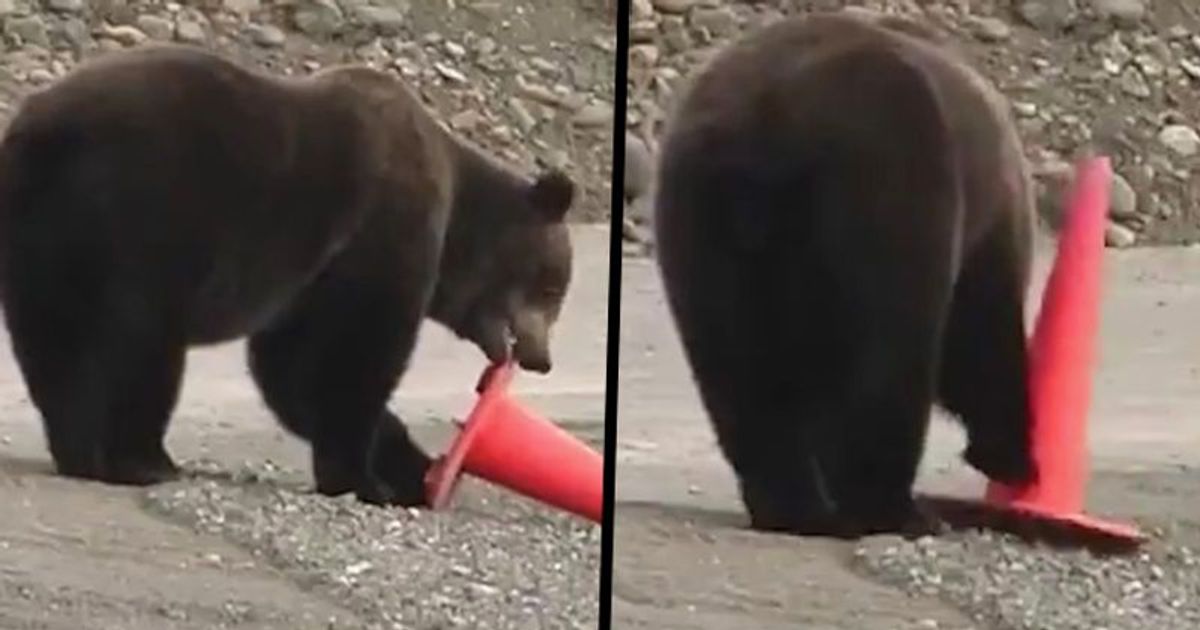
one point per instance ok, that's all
(530, 79)
(1118, 75)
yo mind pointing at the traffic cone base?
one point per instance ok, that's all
(514, 448)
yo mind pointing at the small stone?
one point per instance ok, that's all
(639, 167)
(1182, 140)
(358, 568)
(593, 115)
(450, 73)
(1048, 15)
(266, 35)
(544, 66)
(1190, 68)
(641, 10)
(643, 32)
(456, 50)
(990, 29)
(30, 29)
(1123, 12)
(1025, 109)
(40, 76)
(525, 120)
(539, 93)
(1119, 236)
(385, 20)
(75, 33)
(466, 120)
(318, 18)
(673, 6)
(191, 31)
(643, 56)
(485, 46)
(675, 34)
(1133, 83)
(157, 28)
(66, 6)
(243, 7)
(1123, 198)
(719, 22)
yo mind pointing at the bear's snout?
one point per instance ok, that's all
(533, 360)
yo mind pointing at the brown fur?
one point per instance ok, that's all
(843, 221)
(165, 197)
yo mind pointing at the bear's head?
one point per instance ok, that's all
(505, 271)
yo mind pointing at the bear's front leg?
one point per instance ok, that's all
(381, 464)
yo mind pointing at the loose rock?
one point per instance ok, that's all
(1125, 12)
(1119, 236)
(1182, 140)
(156, 27)
(1123, 199)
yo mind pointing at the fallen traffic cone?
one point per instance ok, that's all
(510, 446)
(1061, 356)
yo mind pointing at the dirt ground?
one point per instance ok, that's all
(684, 559)
(84, 556)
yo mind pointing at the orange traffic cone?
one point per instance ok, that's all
(1061, 357)
(504, 443)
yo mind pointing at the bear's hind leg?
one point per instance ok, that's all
(881, 429)
(326, 370)
(762, 405)
(105, 390)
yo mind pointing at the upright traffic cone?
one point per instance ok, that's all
(1061, 357)
(514, 448)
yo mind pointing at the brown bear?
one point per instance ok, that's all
(844, 219)
(165, 197)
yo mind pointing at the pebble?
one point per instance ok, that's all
(719, 21)
(243, 7)
(673, 6)
(155, 27)
(639, 167)
(990, 29)
(191, 31)
(1119, 236)
(1124, 12)
(1123, 199)
(385, 20)
(593, 115)
(525, 120)
(450, 73)
(31, 29)
(1050, 16)
(67, 6)
(1182, 140)
(466, 120)
(266, 35)
(319, 18)
(641, 10)
(124, 34)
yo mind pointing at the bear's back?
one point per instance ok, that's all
(239, 186)
(729, 100)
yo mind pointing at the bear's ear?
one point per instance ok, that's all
(551, 195)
